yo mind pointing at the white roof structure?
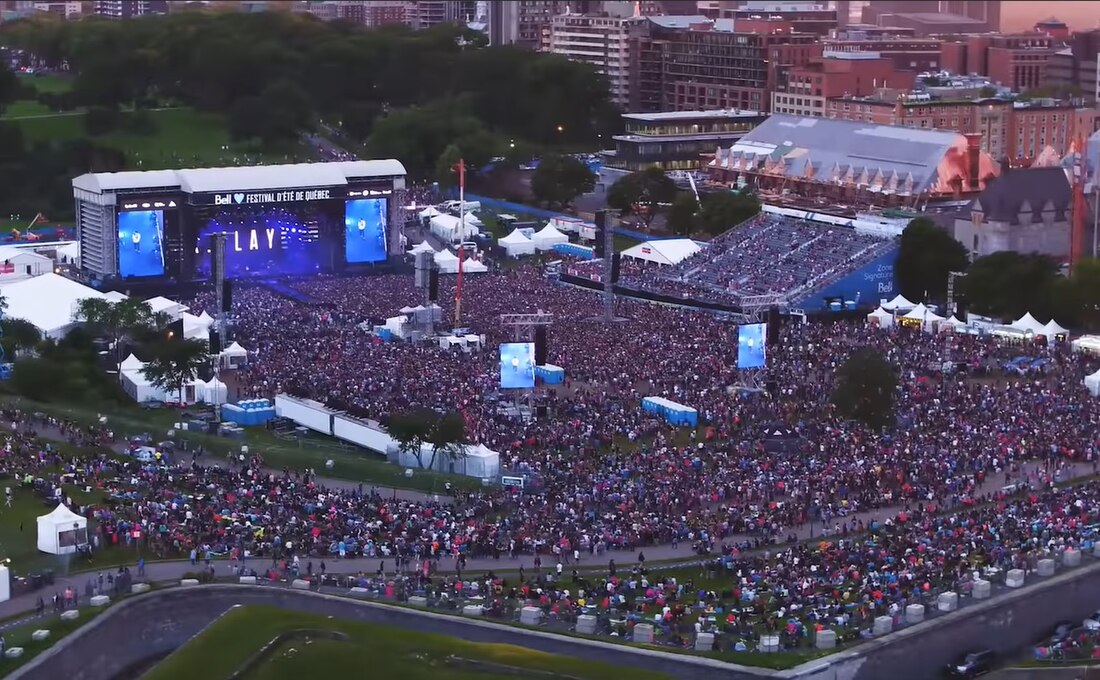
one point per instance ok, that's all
(131, 364)
(444, 257)
(1054, 328)
(114, 296)
(46, 301)
(1086, 343)
(898, 304)
(430, 211)
(516, 244)
(666, 252)
(251, 178)
(516, 237)
(234, 350)
(955, 322)
(162, 304)
(547, 237)
(422, 247)
(60, 521)
(884, 318)
(1092, 382)
(1028, 324)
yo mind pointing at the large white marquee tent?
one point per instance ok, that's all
(665, 252)
(47, 302)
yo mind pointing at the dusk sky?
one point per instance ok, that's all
(1017, 15)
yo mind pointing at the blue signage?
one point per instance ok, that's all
(865, 286)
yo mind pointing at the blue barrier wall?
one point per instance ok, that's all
(508, 207)
(867, 285)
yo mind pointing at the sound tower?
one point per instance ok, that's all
(215, 341)
(773, 326)
(540, 345)
(433, 285)
(216, 272)
(615, 267)
(227, 296)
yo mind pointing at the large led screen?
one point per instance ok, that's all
(517, 365)
(267, 239)
(365, 230)
(750, 345)
(141, 243)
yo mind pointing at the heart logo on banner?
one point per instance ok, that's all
(239, 198)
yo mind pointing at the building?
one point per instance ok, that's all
(428, 13)
(372, 13)
(602, 41)
(933, 23)
(1055, 28)
(1076, 66)
(986, 11)
(678, 140)
(1018, 61)
(1022, 211)
(907, 52)
(803, 90)
(1023, 132)
(799, 17)
(853, 163)
(128, 9)
(687, 63)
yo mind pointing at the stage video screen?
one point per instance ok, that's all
(517, 365)
(750, 345)
(141, 243)
(269, 239)
(365, 230)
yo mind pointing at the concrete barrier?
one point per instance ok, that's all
(473, 610)
(300, 584)
(586, 624)
(825, 639)
(70, 615)
(100, 601)
(249, 580)
(1071, 557)
(947, 602)
(914, 613)
(643, 632)
(13, 653)
(530, 616)
(189, 582)
(981, 590)
(1014, 578)
(40, 635)
(139, 588)
(884, 625)
(417, 600)
(1045, 567)
(704, 642)
(769, 644)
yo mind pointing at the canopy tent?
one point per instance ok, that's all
(473, 219)
(1028, 324)
(213, 392)
(1053, 328)
(233, 356)
(666, 252)
(142, 390)
(953, 323)
(516, 244)
(452, 230)
(881, 317)
(898, 304)
(195, 327)
(548, 237)
(422, 247)
(429, 212)
(46, 302)
(164, 305)
(114, 296)
(62, 531)
(448, 264)
(1092, 382)
(1087, 343)
(925, 315)
(131, 364)
(474, 460)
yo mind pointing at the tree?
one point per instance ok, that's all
(866, 387)
(642, 194)
(119, 321)
(447, 438)
(1076, 299)
(20, 335)
(558, 180)
(926, 255)
(722, 211)
(425, 431)
(100, 120)
(40, 379)
(175, 363)
(1010, 284)
(411, 429)
(681, 216)
(9, 87)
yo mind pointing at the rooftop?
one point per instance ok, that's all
(691, 115)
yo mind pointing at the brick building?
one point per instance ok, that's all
(1016, 61)
(907, 52)
(803, 90)
(1077, 65)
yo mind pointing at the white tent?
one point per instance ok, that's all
(882, 317)
(422, 247)
(161, 304)
(925, 315)
(450, 229)
(666, 252)
(131, 364)
(429, 212)
(516, 244)
(213, 392)
(62, 531)
(953, 323)
(5, 584)
(1092, 382)
(475, 461)
(1087, 343)
(446, 261)
(233, 356)
(548, 237)
(482, 462)
(898, 304)
(1053, 328)
(473, 219)
(69, 253)
(195, 327)
(114, 296)
(1028, 324)
(47, 302)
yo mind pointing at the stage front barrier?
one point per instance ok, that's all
(672, 412)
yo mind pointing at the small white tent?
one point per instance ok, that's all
(233, 356)
(62, 531)
(925, 315)
(213, 392)
(450, 229)
(429, 212)
(1092, 382)
(1087, 343)
(898, 304)
(422, 247)
(446, 261)
(1028, 324)
(881, 317)
(548, 237)
(953, 323)
(516, 244)
(1053, 328)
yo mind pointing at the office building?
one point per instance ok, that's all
(803, 90)
(986, 11)
(69, 10)
(678, 140)
(1076, 66)
(907, 52)
(1017, 61)
(769, 15)
(602, 41)
(128, 9)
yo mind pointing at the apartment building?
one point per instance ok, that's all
(602, 41)
(1017, 61)
(803, 90)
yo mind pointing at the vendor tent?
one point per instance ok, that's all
(881, 317)
(548, 237)
(898, 304)
(429, 212)
(446, 261)
(925, 315)
(953, 323)
(233, 356)
(666, 252)
(213, 392)
(516, 244)
(450, 229)
(1087, 343)
(1053, 328)
(1028, 324)
(422, 247)
(1092, 382)
(62, 531)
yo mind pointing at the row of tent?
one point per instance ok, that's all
(901, 308)
(518, 243)
(447, 262)
(142, 390)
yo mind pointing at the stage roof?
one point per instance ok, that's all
(249, 178)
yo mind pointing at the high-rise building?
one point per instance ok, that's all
(127, 9)
(372, 13)
(602, 41)
(800, 17)
(428, 13)
(69, 10)
(1078, 65)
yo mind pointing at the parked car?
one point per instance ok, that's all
(972, 665)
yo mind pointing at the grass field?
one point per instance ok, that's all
(48, 82)
(238, 636)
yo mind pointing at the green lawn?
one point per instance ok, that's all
(24, 108)
(48, 82)
(235, 638)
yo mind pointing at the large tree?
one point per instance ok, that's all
(1009, 284)
(559, 180)
(118, 321)
(642, 194)
(175, 363)
(866, 385)
(926, 256)
(724, 210)
(682, 214)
